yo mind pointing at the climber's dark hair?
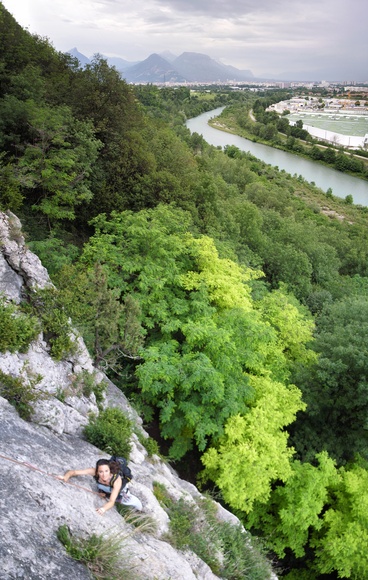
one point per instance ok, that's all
(114, 466)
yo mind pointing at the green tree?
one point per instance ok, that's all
(11, 197)
(295, 507)
(316, 153)
(341, 546)
(329, 155)
(56, 165)
(320, 514)
(111, 328)
(253, 452)
(99, 94)
(335, 387)
(293, 324)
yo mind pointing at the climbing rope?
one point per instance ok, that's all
(30, 466)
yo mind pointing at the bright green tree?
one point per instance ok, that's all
(253, 453)
(341, 544)
(320, 514)
(296, 507)
(293, 324)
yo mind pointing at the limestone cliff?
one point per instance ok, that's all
(33, 502)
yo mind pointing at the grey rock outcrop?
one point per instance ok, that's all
(21, 270)
(19, 258)
(34, 504)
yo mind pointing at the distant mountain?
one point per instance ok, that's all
(166, 67)
(83, 60)
(244, 74)
(119, 63)
(154, 69)
(167, 55)
(202, 68)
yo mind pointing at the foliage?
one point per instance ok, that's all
(323, 508)
(54, 253)
(203, 333)
(142, 522)
(335, 386)
(161, 494)
(110, 431)
(293, 324)
(228, 549)
(20, 392)
(150, 444)
(110, 324)
(17, 328)
(85, 383)
(58, 161)
(99, 94)
(104, 555)
(56, 325)
(245, 555)
(11, 197)
(345, 525)
(253, 452)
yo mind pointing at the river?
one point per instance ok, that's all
(324, 177)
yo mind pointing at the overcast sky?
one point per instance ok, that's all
(270, 37)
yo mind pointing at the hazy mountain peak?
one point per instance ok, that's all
(82, 58)
(166, 67)
(167, 55)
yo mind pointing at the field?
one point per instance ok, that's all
(335, 122)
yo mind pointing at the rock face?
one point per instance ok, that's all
(33, 502)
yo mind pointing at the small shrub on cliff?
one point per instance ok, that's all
(189, 528)
(110, 431)
(142, 522)
(17, 330)
(84, 383)
(150, 444)
(56, 326)
(161, 494)
(228, 550)
(20, 393)
(101, 554)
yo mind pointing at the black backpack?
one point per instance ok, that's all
(124, 471)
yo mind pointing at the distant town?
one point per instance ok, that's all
(327, 104)
(337, 120)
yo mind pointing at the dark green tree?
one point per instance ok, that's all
(57, 163)
(336, 387)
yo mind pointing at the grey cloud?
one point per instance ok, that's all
(221, 8)
(261, 35)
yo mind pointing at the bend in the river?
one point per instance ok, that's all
(324, 177)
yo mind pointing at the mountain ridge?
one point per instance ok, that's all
(166, 67)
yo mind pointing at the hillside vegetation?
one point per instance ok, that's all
(228, 299)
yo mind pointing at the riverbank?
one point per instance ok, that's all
(324, 180)
(307, 150)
